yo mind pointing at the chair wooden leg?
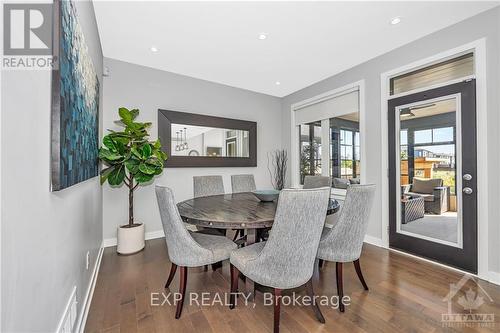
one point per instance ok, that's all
(277, 309)
(316, 269)
(182, 292)
(173, 269)
(234, 286)
(205, 268)
(216, 265)
(321, 263)
(340, 290)
(314, 305)
(360, 275)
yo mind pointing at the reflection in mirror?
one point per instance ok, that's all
(190, 140)
(345, 160)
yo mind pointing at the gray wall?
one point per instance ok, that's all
(483, 25)
(149, 89)
(45, 236)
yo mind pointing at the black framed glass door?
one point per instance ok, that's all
(432, 168)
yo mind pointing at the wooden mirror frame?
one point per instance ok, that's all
(167, 117)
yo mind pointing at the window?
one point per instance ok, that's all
(357, 154)
(445, 71)
(345, 155)
(442, 134)
(432, 154)
(434, 135)
(322, 149)
(403, 141)
(423, 136)
(348, 149)
(310, 150)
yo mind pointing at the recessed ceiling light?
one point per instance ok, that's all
(277, 83)
(395, 20)
(262, 36)
(154, 49)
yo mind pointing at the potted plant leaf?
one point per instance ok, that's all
(133, 160)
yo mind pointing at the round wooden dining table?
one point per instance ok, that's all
(235, 211)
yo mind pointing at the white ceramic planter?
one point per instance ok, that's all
(130, 240)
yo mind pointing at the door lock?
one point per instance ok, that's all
(467, 190)
(467, 176)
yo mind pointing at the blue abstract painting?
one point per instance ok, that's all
(75, 105)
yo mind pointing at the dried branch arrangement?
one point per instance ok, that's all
(277, 164)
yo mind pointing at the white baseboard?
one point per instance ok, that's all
(373, 241)
(155, 234)
(108, 242)
(82, 318)
(494, 277)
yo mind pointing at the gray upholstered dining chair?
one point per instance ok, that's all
(286, 260)
(343, 242)
(242, 183)
(317, 181)
(186, 249)
(204, 186)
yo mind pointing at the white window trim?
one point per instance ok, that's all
(479, 49)
(294, 153)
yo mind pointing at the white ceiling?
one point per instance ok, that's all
(192, 130)
(307, 41)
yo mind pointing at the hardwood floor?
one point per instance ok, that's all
(406, 295)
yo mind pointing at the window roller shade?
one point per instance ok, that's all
(330, 108)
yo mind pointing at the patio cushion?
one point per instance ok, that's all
(427, 197)
(425, 186)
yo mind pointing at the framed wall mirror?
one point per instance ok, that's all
(196, 140)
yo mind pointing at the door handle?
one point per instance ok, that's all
(467, 176)
(467, 190)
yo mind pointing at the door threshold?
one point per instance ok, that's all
(458, 270)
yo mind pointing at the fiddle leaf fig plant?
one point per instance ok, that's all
(129, 156)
